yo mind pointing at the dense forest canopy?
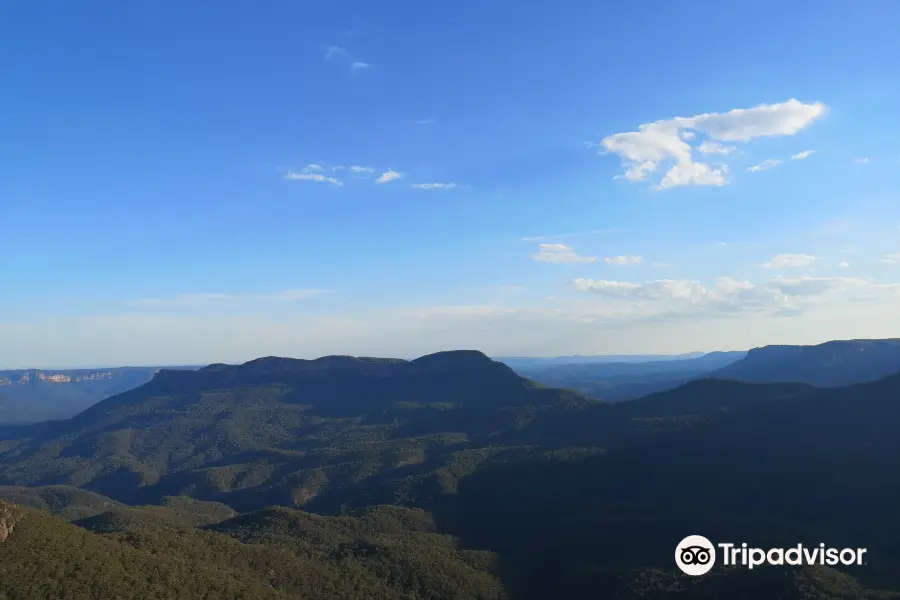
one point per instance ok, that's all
(446, 477)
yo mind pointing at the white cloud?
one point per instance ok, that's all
(358, 64)
(388, 176)
(811, 286)
(694, 173)
(745, 124)
(688, 135)
(766, 164)
(317, 177)
(681, 297)
(197, 299)
(560, 253)
(660, 289)
(425, 122)
(708, 147)
(608, 287)
(861, 161)
(782, 296)
(645, 150)
(891, 259)
(802, 155)
(434, 186)
(844, 264)
(313, 167)
(790, 261)
(623, 260)
(638, 171)
(361, 169)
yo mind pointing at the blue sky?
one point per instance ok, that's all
(177, 181)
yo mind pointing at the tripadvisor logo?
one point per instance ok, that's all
(696, 555)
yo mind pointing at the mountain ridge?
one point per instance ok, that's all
(574, 497)
(833, 363)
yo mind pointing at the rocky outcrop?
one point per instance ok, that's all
(10, 516)
(31, 376)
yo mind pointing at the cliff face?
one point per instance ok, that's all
(31, 395)
(25, 377)
(10, 516)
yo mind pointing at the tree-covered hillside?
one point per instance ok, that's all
(130, 553)
(279, 432)
(454, 477)
(839, 362)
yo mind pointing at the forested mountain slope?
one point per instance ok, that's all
(840, 362)
(277, 431)
(557, 495)
(273, 554)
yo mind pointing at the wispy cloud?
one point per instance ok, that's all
(316, 177)
(623, 260)
(891, 259)
(802, 155)
(782, 296)
(332, 51)
(666, 142)
(844, 264)
(766, 164)
(806, 285)
(538, 238)
(359, 169)
(387, 176)
(425, 122)
(861, 160)
(560, 253)
(198, 299)
(789, 261)
(434, 186)
(313, 167)
(341, 53)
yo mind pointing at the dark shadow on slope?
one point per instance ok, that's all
(808, 468)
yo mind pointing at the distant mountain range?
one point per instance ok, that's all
(449, 476)
(618, 381)
(31, 395)
(517, 362)
(842, 362)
